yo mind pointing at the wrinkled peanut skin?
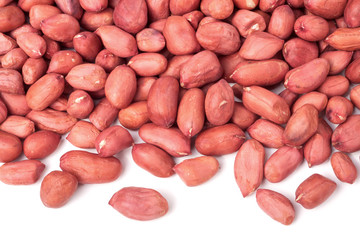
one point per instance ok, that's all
(18, 125)
(135, 12)
(21, 173)
(346, 39)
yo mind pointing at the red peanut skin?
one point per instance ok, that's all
(6, 43)
(194, 18)
(79, 104)
(10, 147)
(219, 9)
(317, 149)
(282, 163)
(246, 4)
(141, 204)
(174, 66)
(148, 64)
(93, 6)
(150, 40)
(87, 76)
(103, 115)
(352, 71)
(63, 61)
(270, 5)
(326, 9)
(351, 13)
(51, 47)
(266, 104)
(219, 103)
(32, 44)
(191, 112)
(38, 13)
(289, 96)
(180, 7)
(343, 167)
(16, 104)
(18, 125)
(355, 96)
(345, 137)
(40, 144)
(163, 101)
(180, 36)
(229, 64)
(338, 60)
(202, 68)
(90, 168)
(282, 22)
(134, 116)
(3, 111)
(196, 171)
(276, 205)
(24, 172)
(14, 59)
(113, 140)
(60, 27)
(135, 12)
(107, 60)
(158, 9)
(88, 45)
(311, 28)
(297, 52)
(169, 139)
(336, 85)
(318, 100)
(71, 7)
(314, 190)
(11, 81)
(33, 69)
(338, 109)
(26, 28)
(242, 117)
(248, 22)
(346, 39)
(83, 135)
(11, 17)
(93, 20)
(220, 140)
(153, 159)
(120, 86)
(57, 188)
(249, 166)
(267, 133)
(26, 5)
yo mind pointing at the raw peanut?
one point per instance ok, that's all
(117, 41)
(219, 37)
(338, 60)
(71, 7)
(41, 12)
(219, 9)
(267, 133)
(162, 101)
(63, 61)
(107, 60)
(33, 69)
(345, 137)
(32, 44)
(150, 40)
(351, 13)
(139, 203)
(196, 171)
(112, 141)
(93, 6)
(266, 104)
(60, 27)
(242, 117)
(352, 72)
(265, 15)
(143, 87)
(311, 28)
(282, 163)
(270, 5)
(11, 81)
(340, 23)
(326, 9)
(26, 5)
(57, 188)
(14, 59)
(88, 45)
(260, 73)
(260, 46)
(10, 147)
(11, 17)
(90, 168)
(158, 9)
(338, 109)
(229, 63)
(355, 96)
(317, 149)
(18, 126)
(318, 100)
(6, 43)
(60, 104)
(153, 159)
(169, 139)
(276, 205)
(26, 28)
(93, 20)
(336, 85)
(301, 126)
(220, 140)
(180, 36)
(45, 91)
(180, 7)
(174, 66)
(52, 120)
(158, 25)
(16, 104)
(346, 39)
(87, 76)
(219, 103)
(191, 112)
(3, 3)
(249, 166)
(282, 22)
(307, 77)
(248, 22)
(120, 86)
(297, 52)
(134, 116)
(202, 68)
(207, 20)
(148, 64)
(103, 115)
(3, 111)
(79, 104)
(51, 47)
(135, 12)
(246, 4)
(194, 18)
(289, 96)
(24, 172)
(83, 135)
(343, 167)
(314, 190)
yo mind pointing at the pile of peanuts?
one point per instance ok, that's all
(175, 70)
